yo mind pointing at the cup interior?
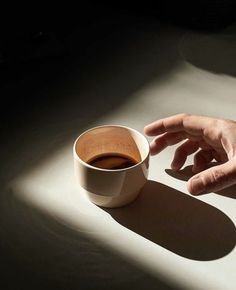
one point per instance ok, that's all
(111, 140)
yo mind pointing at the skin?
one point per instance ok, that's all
(208, 138)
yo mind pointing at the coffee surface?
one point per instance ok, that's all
(112, 161)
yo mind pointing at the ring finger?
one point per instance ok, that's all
(182, 152)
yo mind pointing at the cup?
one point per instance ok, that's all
(111, 164)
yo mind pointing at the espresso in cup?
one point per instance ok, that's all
(112, 161)
(111, 164)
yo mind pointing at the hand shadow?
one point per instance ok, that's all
(187, 173)
(178, 222)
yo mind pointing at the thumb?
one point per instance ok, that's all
(213, 179)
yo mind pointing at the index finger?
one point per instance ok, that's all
(191, 124)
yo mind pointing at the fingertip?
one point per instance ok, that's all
(152, 148)
(147, 130)
(175, 166)
(152, 153)
(195, 185)
(155, 147)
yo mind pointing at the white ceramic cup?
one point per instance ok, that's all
(111, 187)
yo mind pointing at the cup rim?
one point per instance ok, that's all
(111, 170)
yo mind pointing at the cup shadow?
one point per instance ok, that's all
(180, 223)
(187, 173)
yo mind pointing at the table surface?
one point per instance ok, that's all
(167, 239)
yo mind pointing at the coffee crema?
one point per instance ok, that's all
(112, 161)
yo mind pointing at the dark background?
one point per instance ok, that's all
(81, 35)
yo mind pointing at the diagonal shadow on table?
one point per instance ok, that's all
(180, 223)
(187, 173)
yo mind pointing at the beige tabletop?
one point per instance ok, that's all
(166, 239)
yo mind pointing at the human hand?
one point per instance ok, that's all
(210, 138)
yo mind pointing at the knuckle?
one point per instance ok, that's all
(218, 179)
(218, 176)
